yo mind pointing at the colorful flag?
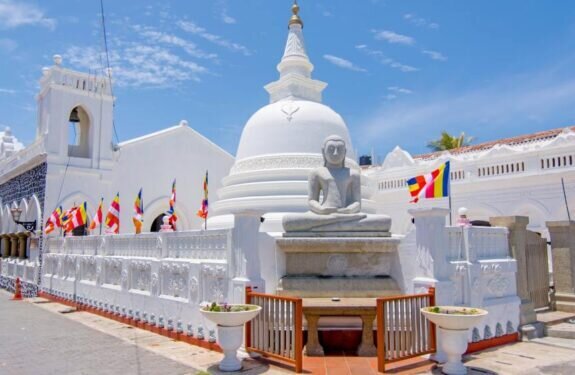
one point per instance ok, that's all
(172, 211)
(203, 212)
(138, 217)
(54, 221)
(79, 216)
(432, 185)
(67, 218)
(113, 216)
(98, 216)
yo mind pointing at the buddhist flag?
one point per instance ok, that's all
(172, 211)
(113, 216)
(138, 217)
(432, 185)
(203, 211)
(98, 216)
(67, 218)
(79, 216)
(54, 221)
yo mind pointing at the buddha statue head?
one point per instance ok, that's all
(334, 151)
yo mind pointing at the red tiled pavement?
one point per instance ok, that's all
(341, 364)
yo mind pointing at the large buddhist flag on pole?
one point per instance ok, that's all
(203, 211)
(97, 220)
(54, 221)
(432, 185)
(138, 217)
(113, 216)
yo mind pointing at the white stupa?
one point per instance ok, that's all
(282, 141)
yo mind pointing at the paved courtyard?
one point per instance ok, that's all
(40, 337)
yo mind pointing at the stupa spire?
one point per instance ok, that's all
(295, 67)
(295, 17)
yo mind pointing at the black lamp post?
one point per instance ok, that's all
(30, 226)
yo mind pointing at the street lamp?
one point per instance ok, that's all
(30, 226)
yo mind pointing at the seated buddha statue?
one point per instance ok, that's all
(335, 201)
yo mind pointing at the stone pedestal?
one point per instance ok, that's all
(517, 226)
(563, 249)
(338, 267)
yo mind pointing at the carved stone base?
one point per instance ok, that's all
(338, 267)
(314, 286)
(313, 234)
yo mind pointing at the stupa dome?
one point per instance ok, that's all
(291, 125)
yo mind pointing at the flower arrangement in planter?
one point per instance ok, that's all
(453, 311)
(230, 320)
(454, 323)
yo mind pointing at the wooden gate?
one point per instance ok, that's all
(402, 330)
(277, 330)
(537, 270)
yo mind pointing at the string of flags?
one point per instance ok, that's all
(76, 216)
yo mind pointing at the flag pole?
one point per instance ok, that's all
(449, 197)
(565, 198)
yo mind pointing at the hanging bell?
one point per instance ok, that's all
(74, 115)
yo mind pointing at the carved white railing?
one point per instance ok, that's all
(200, 245)
(473, 243)
(21, 157)
(76, 80)
(488, 243)
(455, 243)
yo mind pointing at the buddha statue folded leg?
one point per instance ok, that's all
(309, 221)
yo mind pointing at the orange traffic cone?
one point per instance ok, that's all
(17, 291)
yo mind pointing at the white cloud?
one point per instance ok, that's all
(434, 55)
(138, 65)
(222, 6)
(399, 90)
(419, 21)
(379, 56)
(393, 37)
(192, 28)
(390, 97)
(343, 63)
(7, 91)
(189, 47)
(540, 101)
(14, 14)
(226, 18)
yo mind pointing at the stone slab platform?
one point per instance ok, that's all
(338, 244)
(309, 286)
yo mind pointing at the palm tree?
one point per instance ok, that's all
(449, 142)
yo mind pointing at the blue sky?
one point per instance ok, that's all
(399, 71)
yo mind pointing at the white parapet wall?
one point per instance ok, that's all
(468, 266)
(161, 275)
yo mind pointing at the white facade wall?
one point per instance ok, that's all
(530, 189)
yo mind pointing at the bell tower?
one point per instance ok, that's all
(75, 117)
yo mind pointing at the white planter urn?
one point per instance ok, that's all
(454, 323)
(231, 332)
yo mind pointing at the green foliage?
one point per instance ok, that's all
(224, 307)
(448, 142)
(452, 311)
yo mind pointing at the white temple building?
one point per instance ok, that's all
(514, 176)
